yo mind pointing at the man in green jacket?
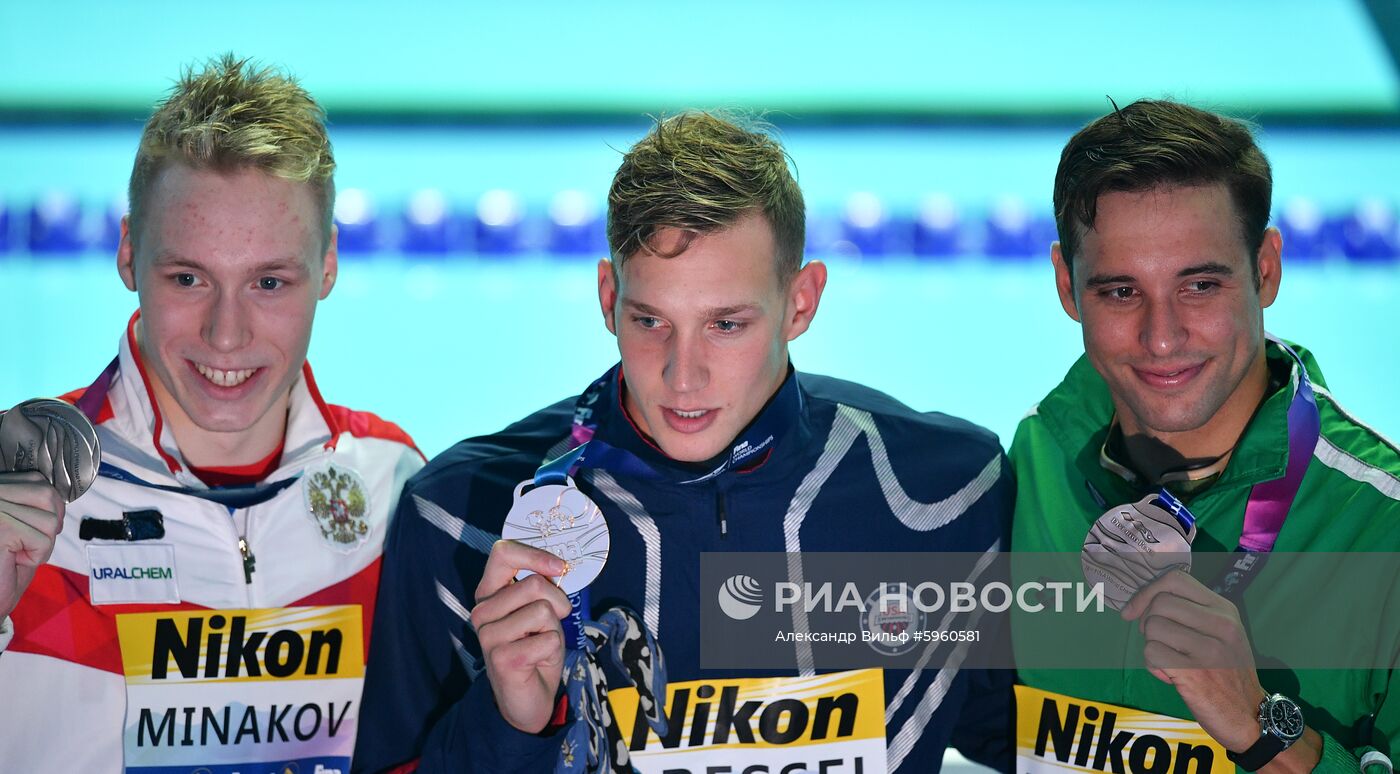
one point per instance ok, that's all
(1166, 260)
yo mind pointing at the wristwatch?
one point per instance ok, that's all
(1281, 724)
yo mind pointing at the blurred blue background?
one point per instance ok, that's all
(476, 143)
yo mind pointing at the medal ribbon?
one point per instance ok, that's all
(594, 743)
(232, 497)
(591, 452)
(1168, 502)
(1269, 501)
(91, 401)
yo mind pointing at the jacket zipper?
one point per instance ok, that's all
(249, 561)
(722, 513)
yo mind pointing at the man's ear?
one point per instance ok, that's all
(330, 263)
(1064, 283)
(607, 293)
(1270, 266)
(804, 296)
(126, 255)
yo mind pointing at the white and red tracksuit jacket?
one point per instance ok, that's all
(151, 641)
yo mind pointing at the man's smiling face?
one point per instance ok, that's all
(1172, 311)
(228, 267)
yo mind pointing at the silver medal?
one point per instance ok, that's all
(54, 438)
(1132, 545)
(565, 522)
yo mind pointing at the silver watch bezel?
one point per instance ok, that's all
(1268, 725)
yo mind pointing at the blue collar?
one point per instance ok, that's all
(615, 443)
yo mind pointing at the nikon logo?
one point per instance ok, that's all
(1089, 737)
(729, 721)
(234, 651)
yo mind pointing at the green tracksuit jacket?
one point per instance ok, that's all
(1349, 501)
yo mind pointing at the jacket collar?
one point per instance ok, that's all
(147, 442)
(1184, 482)
(1079, 413)
(756, 447)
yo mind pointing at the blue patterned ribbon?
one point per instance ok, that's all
(594, 744)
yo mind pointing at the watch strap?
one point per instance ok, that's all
(1258, 755)
(1270, 743)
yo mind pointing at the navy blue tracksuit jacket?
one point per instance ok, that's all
(845, 468)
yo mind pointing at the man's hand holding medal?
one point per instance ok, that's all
(1195, 640)
(49, 456)
(1197, 644)
(523, 595)
(518, 626)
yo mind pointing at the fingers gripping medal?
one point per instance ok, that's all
(1132, 545)
(54, 438)
(565, 522)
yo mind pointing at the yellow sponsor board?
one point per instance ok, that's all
(770, 724)
(294, 643)
(1056, 733)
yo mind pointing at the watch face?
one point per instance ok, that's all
(1285, 719)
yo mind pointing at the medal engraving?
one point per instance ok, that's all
(1132, 545)
(54, 438)
(560, 519)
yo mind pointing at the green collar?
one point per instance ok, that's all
(1184, 482)
(1079, 414)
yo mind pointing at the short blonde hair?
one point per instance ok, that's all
(231, 115)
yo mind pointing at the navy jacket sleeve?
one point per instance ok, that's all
(965, 705)
(472, 736)
(986, 729)
(425, 695)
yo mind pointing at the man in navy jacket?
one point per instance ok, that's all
(714, 443)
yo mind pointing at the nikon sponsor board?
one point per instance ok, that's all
(1061, 733)
(833, 723)
(242, 690)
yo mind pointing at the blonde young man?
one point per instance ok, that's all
(206, 603)
(704, 438)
